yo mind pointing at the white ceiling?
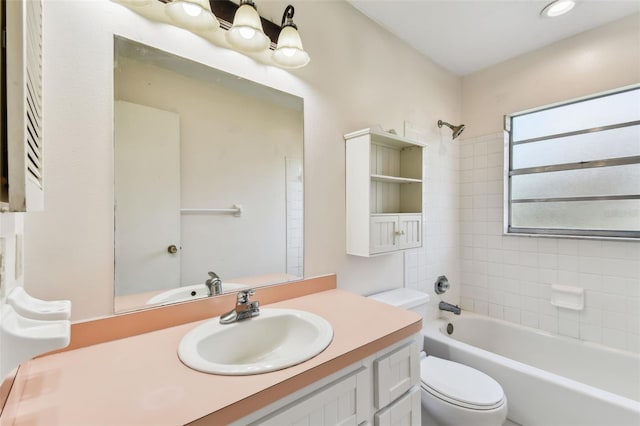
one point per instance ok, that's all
(465, 36)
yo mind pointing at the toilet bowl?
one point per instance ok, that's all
(452, 394)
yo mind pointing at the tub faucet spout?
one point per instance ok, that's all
(449, 307)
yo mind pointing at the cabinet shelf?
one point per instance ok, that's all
(394, 179)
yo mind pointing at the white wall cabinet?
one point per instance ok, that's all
(378, 390)
(384, 178)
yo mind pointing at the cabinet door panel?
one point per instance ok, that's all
(395, 373)
(410, 228)
(383, 236)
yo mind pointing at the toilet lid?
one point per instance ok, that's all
(460, 384)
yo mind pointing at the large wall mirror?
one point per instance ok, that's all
(208, 171)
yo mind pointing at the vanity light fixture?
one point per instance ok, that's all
(289, 52)
(557, 8)
(192, 15)
(246, 33)
(244, 29)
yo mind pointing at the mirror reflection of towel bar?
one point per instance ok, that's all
(236, 211)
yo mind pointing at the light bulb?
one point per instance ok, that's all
(247, 33)
(193, 15)
(288, 51)
(557, 8)
(191, 9)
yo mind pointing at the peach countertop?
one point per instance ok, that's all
(140, 380)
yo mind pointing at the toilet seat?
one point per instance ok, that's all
(460, 385)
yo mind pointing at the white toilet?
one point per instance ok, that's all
(453, 394)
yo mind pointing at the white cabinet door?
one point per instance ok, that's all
(410, 229)
(395, 373)
(383, 233)
(391, 232)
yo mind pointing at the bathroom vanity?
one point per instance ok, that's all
(368, 373)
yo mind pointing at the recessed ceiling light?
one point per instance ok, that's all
(557, 8)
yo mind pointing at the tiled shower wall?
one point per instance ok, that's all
(439, 254)
(510, 277)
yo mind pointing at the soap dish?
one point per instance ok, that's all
(24, 338)
(30, 307)
(567, 297)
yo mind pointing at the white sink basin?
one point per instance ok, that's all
(276, 339)
(190, 292)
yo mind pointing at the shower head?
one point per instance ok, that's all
(457, 130)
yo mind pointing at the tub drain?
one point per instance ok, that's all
(449, 328)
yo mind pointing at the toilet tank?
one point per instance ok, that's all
(406, 298)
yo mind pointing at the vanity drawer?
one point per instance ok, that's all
(405, 411)
(395, 373)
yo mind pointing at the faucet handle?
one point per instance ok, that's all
(243, 296)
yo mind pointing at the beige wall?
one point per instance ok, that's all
(591, 62)
(510, 277)
(359, 76)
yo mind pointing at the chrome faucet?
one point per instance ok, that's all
(214, 284)
(243, 310)
(449, 307)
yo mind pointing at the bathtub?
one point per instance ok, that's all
(549, 380)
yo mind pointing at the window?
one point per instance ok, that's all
(574, 168)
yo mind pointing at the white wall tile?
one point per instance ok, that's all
(567, 262)
(614, 338)
(466, 303)
(633, 342)
(510, 277)
(529, 319)
(591, 316)
(621, 250)
(529, 304)
(548, 261)
(495, 160)
(568, 247)
(590, 282)
(617, 285)
(591, 333)
(548, 323)
(548, 245)
(512, 314)
(496, 311)
(481, 307)
(592, 248)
